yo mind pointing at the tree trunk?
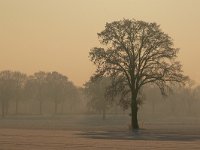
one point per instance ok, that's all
(104, 114)
(6, 106)
(56, 107)
(40, 107)
(3, 108)
(153, 106)
(62, 107)
(134, 111)
(16, 107)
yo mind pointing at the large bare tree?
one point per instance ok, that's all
(135, 53)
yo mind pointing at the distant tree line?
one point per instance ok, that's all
(38, 92)
(45, 93)
(181, 101)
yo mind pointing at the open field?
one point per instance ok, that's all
(90, 132)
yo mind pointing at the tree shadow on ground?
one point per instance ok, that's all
(140, 135)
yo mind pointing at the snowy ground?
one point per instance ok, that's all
(83, 133)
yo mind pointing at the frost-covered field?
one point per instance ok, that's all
(90, 132)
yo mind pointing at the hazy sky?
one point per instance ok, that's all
(56, 35)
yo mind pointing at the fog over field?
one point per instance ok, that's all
(99, 74)
(75, 121)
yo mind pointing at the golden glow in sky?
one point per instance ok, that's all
(56, 35)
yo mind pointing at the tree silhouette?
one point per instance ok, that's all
(56, 87)
(20, 82)
(135, 53)
(11, 85)
(96, 94)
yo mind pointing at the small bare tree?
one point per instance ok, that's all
(95, 92)
(135, 53)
